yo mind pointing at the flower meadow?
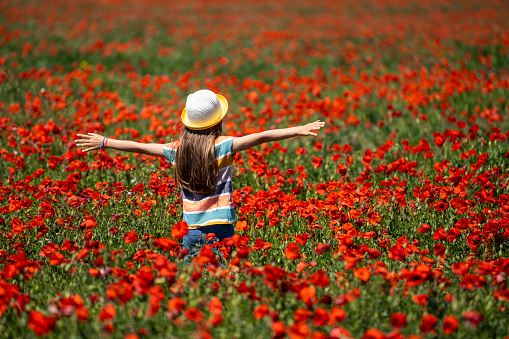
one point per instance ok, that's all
(392, 223)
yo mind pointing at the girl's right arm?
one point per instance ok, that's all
(93, 141)
(255, 139)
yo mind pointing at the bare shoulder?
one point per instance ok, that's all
(173, 144)
(222, 138)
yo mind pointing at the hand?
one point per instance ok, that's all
(90, 140)
(311, 128)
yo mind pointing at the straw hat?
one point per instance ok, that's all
(204, 109)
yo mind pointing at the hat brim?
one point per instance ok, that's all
(224, 109)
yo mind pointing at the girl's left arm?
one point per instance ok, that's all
(248, 141)
(93, 141)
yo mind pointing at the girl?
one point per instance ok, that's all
(202, 159)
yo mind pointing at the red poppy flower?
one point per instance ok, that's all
(39, 323)
(439, 139)
(107, 313)
(398, 320)
(302, 238)
(308, 295)
(336, 157)
(341, 169)
(397, 252)
(321, 188)
(242, 226)
(207, 256)
(320, 317)
(337, 315)
(278, 329)
(362, 273)
(261, 311)
(298, 331)
(17, 226)
(166, 244)
(450, 324)
(301, 151)
(320, 278)
(373, 333)
(216, 320)
(176, 305)
(368, 157)
(260, 244)
(93, 272)
(421, 299)
(243, 252)
(440, 234)
(441, 206)
(81, 254)
(317, 162)
(143, 280)
(9, 292)
(56, 258)
(121, 291)
(179, 230)
(439, 249)
(147, 204)
(130, 237)
(194, 314)
(89, 223)
(472, 318)
(428, 323)
(292, 251)
(424, 228)
(322, 248)
(502, 295)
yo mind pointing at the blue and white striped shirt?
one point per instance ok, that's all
(216, 207)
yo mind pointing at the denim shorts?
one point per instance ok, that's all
(197, 238)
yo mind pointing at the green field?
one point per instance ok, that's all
(391, 223)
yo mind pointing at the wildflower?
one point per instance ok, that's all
(292, 251)
(398, 320)
(39, 323)
(107, 313)
(428, 323)
(179, 230)
(450, 324)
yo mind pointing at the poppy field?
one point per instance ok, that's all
(392, 223)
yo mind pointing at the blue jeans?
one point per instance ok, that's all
(197, 238)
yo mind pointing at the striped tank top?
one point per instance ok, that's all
(216, 207)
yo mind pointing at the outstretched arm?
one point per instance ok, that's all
(93, 141)
(245, 142)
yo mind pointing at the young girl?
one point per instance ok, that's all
(202, 159)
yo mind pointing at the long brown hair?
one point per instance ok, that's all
(196, 167)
